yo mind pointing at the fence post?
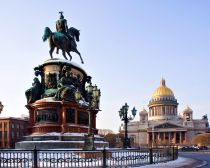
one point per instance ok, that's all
(173, 153)
(35, 157)
(150, 156)
(177, 152)
(104, 157)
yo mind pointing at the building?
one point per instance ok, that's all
(12, 130)
(162, 124)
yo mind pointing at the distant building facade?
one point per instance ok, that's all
(12, 130)
(162, 124)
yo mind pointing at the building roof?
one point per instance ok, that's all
(13, 118)
(162, 90)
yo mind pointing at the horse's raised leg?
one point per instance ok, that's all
(69, 55)
(51, 51)
(76, 51)
(57, 50)
(64, 54)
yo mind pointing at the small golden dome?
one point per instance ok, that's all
(187, 109)
(162, 90)
(143, 111)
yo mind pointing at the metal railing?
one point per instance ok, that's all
(80, 158)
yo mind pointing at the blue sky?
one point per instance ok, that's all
(127, 47)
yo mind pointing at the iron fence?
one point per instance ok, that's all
(80, 158)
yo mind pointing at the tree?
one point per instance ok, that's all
(104, 132)
(201, 139)
(115, 140)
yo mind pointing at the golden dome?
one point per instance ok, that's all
(143, 111)
(162, 90)
(187, 109)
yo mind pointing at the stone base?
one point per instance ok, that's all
(57, 141)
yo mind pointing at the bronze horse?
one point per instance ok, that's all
(62, 41)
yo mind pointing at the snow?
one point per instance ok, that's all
(66, 134)
(57, 60)
(170, 164)
(57, 141)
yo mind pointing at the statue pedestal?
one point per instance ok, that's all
(55, 110)
(47, 115)
(89, 142)
(58, 141)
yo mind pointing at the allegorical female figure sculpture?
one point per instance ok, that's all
(66, 89)
(34, 93)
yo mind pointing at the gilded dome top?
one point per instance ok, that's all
(162, 90)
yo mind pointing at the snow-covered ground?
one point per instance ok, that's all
(171, 164)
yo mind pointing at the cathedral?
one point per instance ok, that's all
(162, 124)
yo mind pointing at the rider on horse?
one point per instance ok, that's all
(62, 27)
(61, 24)
(64, 39)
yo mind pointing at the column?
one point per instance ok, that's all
(185, 137)
(165, 111)
(31, 118)
(154, 111)
(34, 114)
(153, 137)
(159, 139)
(162, 110)
(63, 119)
(179, 138)
(164, 137)
(174, 137)
(148, 138)
(94, 120)
(169, 137)
(76, 116)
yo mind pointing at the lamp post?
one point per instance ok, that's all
(1, 107)
(123, 113)
(93, 97)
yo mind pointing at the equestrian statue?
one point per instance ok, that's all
(64, 38)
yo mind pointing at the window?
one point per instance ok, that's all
(12, 135)
(47, 115)
(70, 116)
(83, 118)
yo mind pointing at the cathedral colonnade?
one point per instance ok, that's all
(172, 137)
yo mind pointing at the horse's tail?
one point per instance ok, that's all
(47, 33)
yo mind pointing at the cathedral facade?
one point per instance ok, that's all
(162, 124)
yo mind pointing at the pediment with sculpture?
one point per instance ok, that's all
(167, 125)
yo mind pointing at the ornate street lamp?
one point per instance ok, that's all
(123, 113)
(93, 98)
(1, 107)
